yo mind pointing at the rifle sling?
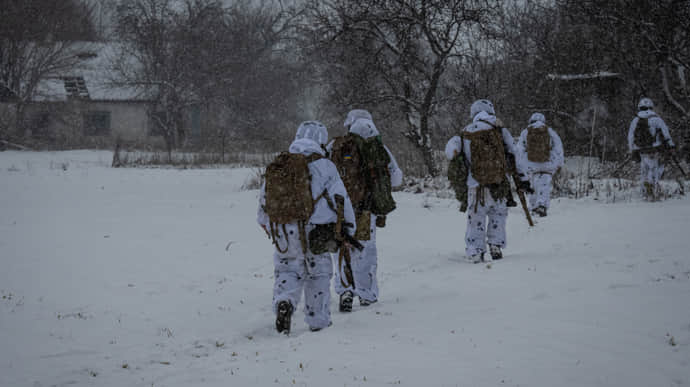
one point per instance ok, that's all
(346, 271)
(274, 237)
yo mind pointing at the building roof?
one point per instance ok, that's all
(588, 76)
(94, 78)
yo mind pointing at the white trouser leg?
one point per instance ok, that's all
(364, 268)
(296, 272)
(651, 170)
(541, 183)
(475, 233)
(364, 265)
(289, 279)
(496, 229)
(317, 290)
(477, 223)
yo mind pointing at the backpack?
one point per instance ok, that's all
(380, 187)
(488, 165)
(288, 193)
(347, 159)
(538, 144)
(643, 138)
(363, 167)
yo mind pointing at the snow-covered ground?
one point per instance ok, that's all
(161, 277)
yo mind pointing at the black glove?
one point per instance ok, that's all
(524, 185)
(380, 221)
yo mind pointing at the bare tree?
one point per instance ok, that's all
(154, 61)
(651, 41)
(31, 51)
(402, 49)
(582, 58)
(201, 53)
(263, 77)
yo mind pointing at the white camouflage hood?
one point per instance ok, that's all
(537, 120)
(364, 128)
(306, 147)
(313, 130)
(356, 114)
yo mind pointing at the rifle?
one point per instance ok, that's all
(345, 259)
(512, 166)
(345, 240)
(672, 155)
(341, 234)
(523, 201)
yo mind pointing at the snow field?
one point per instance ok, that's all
(113, 277)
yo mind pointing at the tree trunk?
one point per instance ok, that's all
(421, 139)
(169, 142)
(427, 150)
(429, 161)
(20, 127)
(425, 114)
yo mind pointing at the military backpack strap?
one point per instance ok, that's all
(313, 157)
(274, 237)
(302, 230)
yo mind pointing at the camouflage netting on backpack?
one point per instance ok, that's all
(377, 157)
(488, 164)
(288, 193)
(363, 167)
(346, 157)
(457, 176)
(643, 137)
(538, 144)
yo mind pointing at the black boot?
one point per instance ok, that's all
(541, 211)
(346, 301)
(283, 317)
(496, 252)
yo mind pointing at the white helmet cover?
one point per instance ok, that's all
(364, 128)
(356, 114)
(482, 105)
(537, 117)
(312, 130)
(644, 104)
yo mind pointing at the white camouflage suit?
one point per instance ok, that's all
(365, 263)
(651, 162)
(481, 230)
(294, 270)
(540, 174)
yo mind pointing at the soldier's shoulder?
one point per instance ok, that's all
(475, 127)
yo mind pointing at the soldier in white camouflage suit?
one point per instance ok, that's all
(648, 136)
(364, 263)
(541, 151)
(487, 209)
(295, 270)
